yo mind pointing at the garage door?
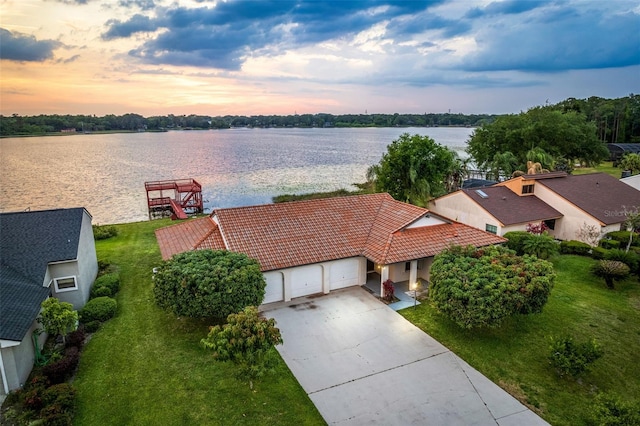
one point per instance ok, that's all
(344, 273)
(274, 292)
(306, 280)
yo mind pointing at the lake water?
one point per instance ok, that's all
(236, 167)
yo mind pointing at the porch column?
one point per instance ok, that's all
(413, 274)
(384, 275)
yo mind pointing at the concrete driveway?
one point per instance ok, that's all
(362, 363)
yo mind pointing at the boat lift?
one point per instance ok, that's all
(175, 197)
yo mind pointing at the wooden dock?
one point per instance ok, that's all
(177, 197)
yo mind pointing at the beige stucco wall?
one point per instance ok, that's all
(459, 207)
(573, 218)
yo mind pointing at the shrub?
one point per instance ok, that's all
(59, 371)
(61, 397)
(76, 338)
(482, 287)
(389, 290)
(102, 232)
(629, 258)
(516, 240)
(611, 410)
(92, 326)
(58, 419)
(98, 309)
(609, 244)
(110, 282)
(610, 270)
(574, 247)
(598, 253)
(208, 283)
(33, 391)
(623, 237)
(569, 357)
(542, 246)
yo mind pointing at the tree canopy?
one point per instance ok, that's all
(532, 135)
(482, 287)
(208, 283)
(58, 318)
(414, 169)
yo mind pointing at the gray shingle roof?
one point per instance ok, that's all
(510, 208)
(602, 196)
(29, 241)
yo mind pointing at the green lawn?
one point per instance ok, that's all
(515, 355)
(606, 167)
(146, 367)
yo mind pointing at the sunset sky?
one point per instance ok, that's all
(158, 57)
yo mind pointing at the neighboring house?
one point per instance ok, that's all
(42, 254)
(316, 246)
(632, 181)
(566, 203)
(495, 209)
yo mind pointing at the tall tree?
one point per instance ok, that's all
(556, 133)
(414, 169)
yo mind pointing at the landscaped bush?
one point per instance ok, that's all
(106, 285)
(541, 246)
(482, 287)
(574, 247)
(102, 232)
(76, 338)
(98, 309)
(611, 410)
(569, 357)
(610, 270)
(92, 326)
(61, 370)
(623, 237)
(32, 393)
(598, 253)
(629, 258)
(516, 240)
(59, 398)
(609, 244)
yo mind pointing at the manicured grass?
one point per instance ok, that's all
(606, 167)
(146, 367)
(515, 355)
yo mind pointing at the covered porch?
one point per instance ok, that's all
(405, 293)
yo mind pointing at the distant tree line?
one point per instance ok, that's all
(16, 125)
(616, 120)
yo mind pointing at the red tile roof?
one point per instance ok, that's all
(285, 235)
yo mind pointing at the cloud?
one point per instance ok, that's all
(142, 4)
(224, 35)
(510, 7)
(137, 23)
(25, 48)
(558, 39)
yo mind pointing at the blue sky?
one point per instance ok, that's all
(284, 57)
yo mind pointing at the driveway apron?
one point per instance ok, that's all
(360, 362)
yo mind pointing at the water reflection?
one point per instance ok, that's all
(106, 173)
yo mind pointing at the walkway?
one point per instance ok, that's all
(362, 363)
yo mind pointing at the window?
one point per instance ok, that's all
(491, 228)
(551, 224)
(527, 189)
(407, 266)
(65, 284)
(420, 265)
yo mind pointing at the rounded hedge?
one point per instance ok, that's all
(106, 285)
(208, 283)
(98, 309)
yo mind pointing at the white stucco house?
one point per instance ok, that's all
(49, 253)
(565, 203)
(316, 246)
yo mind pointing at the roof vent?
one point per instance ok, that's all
(481, 193)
